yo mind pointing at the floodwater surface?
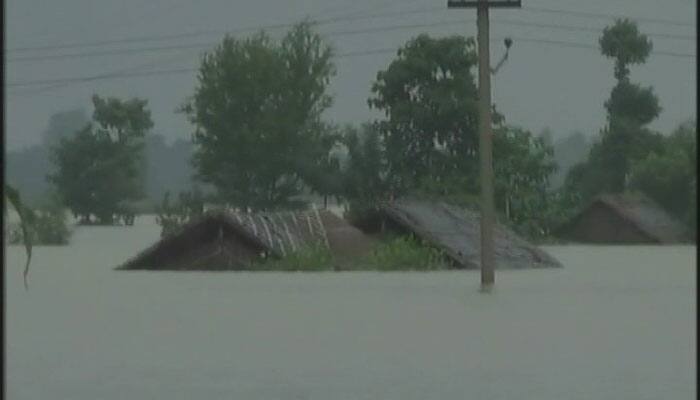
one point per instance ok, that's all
(617, 322)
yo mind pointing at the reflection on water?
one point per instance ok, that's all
(615, 322)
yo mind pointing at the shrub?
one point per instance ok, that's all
(48, 228)
(405, 253)
(311, 258)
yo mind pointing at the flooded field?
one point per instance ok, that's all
(614, 323)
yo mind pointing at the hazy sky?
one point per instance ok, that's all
(545, 83)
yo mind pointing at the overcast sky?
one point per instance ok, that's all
(555, 77)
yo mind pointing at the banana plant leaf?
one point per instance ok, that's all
(27, 218)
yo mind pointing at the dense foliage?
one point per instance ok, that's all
(630, 108)
(364, 175)
(48, 228)
(427, 143)
(257, 112)
(99, 170)
(404, 253)
(668, 174)
(429, 100)
(523, 165)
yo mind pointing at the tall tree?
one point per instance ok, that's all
(623, 42)
(429, 100)
(257, 115)
(630, 108)
(101, 169)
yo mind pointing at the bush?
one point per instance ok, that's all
(311, 258)
(48, 228)
(404, 253)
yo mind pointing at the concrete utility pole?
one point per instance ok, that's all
(488, 218)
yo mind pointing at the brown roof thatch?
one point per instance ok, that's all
(624, 218)
(345, 241)
(457, 232)
(223, 240)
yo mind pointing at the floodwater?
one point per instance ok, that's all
(614, 323)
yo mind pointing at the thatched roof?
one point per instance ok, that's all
(457, 232)
(230, 239)
(346, 242)
(640, 212)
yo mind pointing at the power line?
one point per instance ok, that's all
(210, 32)
(341, 18)
(607, 16)
(589, 46)
(573, 28)
(110, 52)
(120, 75)
(570, 28)
(62, 83)
(342, 55)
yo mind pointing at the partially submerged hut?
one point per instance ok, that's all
(232, 240)
(623, 219)
(456, 231)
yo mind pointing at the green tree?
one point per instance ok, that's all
(428, 139)
(257, 116)
(49, 228)
(523, 164)
(668, 174)
(630, 108)
(100, 169)
(623, 42)
(429, 100)
(365, 174)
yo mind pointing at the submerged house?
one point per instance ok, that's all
(231, 240)
(456, 231)
(623, 219)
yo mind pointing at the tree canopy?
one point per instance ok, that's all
(257, 116)
(99, 170)
(429, 99)
(623, 42)
(631, 107)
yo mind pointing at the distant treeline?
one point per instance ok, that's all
(168, 165)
